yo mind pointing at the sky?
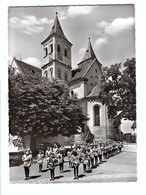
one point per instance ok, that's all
(111, 29)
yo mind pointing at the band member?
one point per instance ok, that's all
(40, 158)
(100, 153)
(69, 158)
(75, 161)
(27, 160)
(51, 165)
(60, 160)
(84, 160)
(47, 154)
(96, 155)
(88, 158)
(92, 156)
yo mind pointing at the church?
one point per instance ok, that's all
(85, 82)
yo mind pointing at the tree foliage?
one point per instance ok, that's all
(119, 90)
(40, 107)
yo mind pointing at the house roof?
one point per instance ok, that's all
(95, 91)
(57, 29)
(26, 68)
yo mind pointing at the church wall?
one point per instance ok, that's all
(100, 132)
(79, 89)
(49, 57)
(62, 140)
(60, 56)
(93, 75)
(63, 69)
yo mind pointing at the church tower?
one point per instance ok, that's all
(56, 51)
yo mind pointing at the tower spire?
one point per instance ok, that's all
(89, 54)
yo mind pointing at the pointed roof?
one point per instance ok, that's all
(57, 29)
(89, 54)
(86, 63)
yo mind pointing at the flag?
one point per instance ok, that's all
(17, 142)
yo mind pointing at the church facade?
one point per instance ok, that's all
(84, 82)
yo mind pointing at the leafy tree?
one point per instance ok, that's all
(119, 91)
(40, 107)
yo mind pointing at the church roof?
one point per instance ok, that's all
(57, 29)
(89, 54)
(95, 91)
(81, 71)
(26, 68)
(87, 61)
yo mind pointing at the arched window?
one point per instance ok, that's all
(65, 52)
(45, 51)
(58, 48)
(72, 93)
(96, 115)
(51, 72)
(59, 73)
(51, 48)
(65, 76)
(91, 80)
(46, 73)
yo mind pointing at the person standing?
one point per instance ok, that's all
(47, 154)
(52, 162)
(40, 158)
(92, 156)
(100, 153)
(27, 160)
(75, 161)
(60, 160)
(69, 158)
(84, 160)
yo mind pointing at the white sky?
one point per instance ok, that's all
(111, 29)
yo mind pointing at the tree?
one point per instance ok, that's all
(40, 107)
(119, 91)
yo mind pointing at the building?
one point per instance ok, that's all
(85, 82)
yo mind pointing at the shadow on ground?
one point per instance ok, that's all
(34, 177)
(45, 170)
(67, 171)
(82, 175)
(58, 177)
(89, 171)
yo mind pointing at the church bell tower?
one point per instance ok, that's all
(56, 51)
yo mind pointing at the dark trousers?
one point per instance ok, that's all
(105, 155)
(84, 167)
(96, 159)
(100, 158)
(26, 169)
(61, 166)
(70, 164)
(88, 164)
(76, 170)
(92, 162)
(40, 167)
(52, 173)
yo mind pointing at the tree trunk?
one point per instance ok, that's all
(33, 144)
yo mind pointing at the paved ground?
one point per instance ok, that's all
(119, 168)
